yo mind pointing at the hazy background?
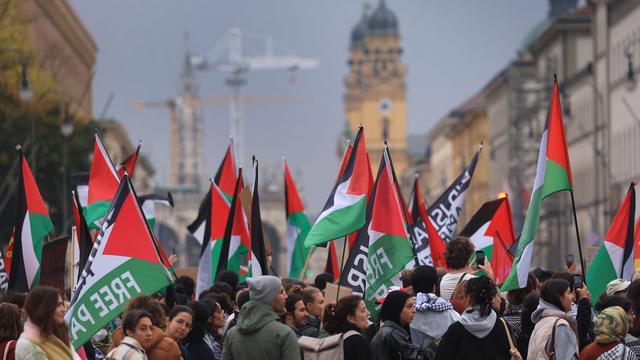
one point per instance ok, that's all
(451, 48)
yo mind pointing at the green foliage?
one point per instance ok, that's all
(15, 128)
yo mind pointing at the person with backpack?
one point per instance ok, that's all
(259, 334)
(393, 340)
(555, 332)
(480, 333)
(344, 321)
(138, 331)
(433, 313)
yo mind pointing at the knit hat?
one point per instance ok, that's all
(263, 289)
(611, 325)
(617, 285)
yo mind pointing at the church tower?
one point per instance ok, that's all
(375, 94)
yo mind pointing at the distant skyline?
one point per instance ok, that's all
(451, 48)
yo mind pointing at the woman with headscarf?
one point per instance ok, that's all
(480, 333)
(393, 341)
(610, 328)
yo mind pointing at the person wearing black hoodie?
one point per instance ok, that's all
(480, 333)
(393, 340)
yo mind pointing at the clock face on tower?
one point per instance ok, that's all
(384, 106)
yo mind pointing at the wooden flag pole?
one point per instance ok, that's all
(306, 263)
(344, 250)
(575, 221)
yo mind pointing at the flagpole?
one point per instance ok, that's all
(306, 263)
(344, 249)
(575, 221)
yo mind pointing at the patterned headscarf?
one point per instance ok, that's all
(611, 325)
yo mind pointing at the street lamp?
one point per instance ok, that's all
(66, 129)
(25, 91)
(26, 94)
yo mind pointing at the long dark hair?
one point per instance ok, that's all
(10, 322)
(40, 305)
(336, 314)
(393, 305)
(482, 290)
(553, 290)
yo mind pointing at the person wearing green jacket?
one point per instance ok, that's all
(259, 334)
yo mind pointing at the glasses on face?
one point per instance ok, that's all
(183, 323)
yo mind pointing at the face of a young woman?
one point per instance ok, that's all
(61, 309)
(361, 317)
(316, 307)
(217, 320)
(408, 312)
(567, 299)
(143, 331)
(178, 327)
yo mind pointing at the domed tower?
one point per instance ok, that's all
(375, 88)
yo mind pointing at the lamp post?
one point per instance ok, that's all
(66, 129)
(26, 94)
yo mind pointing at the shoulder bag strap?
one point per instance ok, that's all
(460, 280)
(552, 354)
(6, 349)
(506, 329)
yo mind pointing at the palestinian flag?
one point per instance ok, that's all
(332, 266)
(217, 212)
(553, 174)
(298, 226)
(103, 184)
(129, 164)
(257, 252)
(225, 177)
(491, 230)
(614, 258)
(32, 226)
(149, 202)
(344, 211)
(236, 242)
(83, 235)
(125, 262)
(355, 271)
(389, 248)
(428, 244)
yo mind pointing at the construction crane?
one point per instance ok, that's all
(178, 143)
(238, 65)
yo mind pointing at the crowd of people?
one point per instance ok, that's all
(453, 313)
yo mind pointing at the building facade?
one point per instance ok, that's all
(375, 94)
(64, 47)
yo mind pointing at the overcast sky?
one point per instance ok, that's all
(451, 48)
